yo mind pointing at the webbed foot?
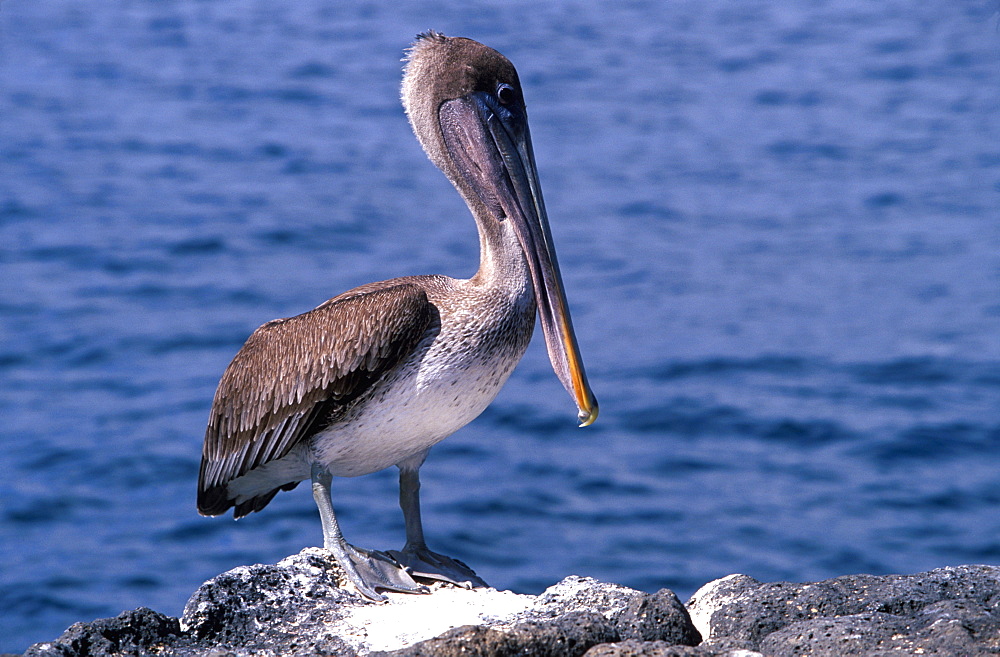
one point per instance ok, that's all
(420, 562)
(369, 570)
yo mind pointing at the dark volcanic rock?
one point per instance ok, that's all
(633, 648)
(657, 617)
(945, 628)
(944, 611)
(137, 632)
(290, 608)
(567, 619)
(569, 635)
(297, 608)
(635, 615)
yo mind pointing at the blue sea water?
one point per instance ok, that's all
(778, 228)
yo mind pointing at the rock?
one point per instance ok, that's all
(946, 628)
(569, 634)
(635, 615)
(633, 648)
(717, 595)
(136, 632)
(657, 617)
(291, 608)
(580, 594)
(566, 619)
(297, 607)
(948, 611)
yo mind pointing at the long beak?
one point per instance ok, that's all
(492, 148)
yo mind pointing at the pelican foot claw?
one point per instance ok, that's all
(424, 564)
(370, 570)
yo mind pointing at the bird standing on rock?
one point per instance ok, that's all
(378, 375)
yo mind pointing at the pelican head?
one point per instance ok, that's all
(466, 106)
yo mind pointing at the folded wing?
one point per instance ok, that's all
(294, 376)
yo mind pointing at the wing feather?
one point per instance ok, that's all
(293, 375)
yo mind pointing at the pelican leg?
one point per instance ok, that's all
(415, 555)
(367, 569)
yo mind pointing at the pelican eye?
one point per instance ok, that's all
(505, 93)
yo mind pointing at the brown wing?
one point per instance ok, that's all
(292, 374)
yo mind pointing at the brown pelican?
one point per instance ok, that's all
(376, 376)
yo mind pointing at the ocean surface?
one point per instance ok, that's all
(778, 228)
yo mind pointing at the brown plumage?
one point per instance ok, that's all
(295, 375)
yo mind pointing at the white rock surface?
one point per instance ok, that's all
(406, 619)
(713, 596)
